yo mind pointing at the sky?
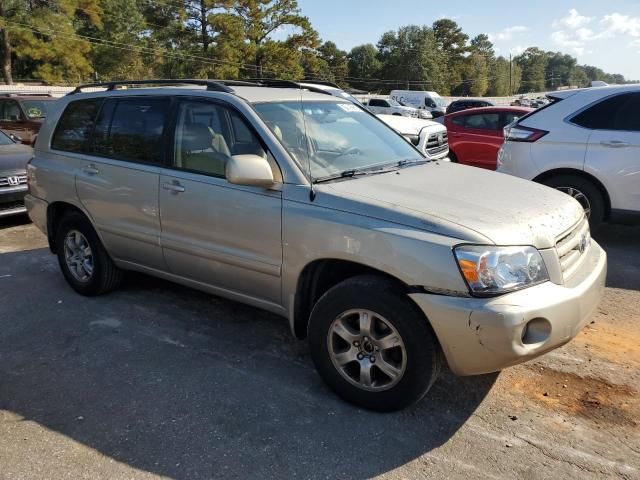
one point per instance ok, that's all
(605, 34)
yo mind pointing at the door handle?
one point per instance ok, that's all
(173, 187)
(614, 144)
(90, 169)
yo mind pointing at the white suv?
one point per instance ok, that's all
(585, 143)
(390, 107)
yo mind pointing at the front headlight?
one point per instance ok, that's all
(490, 270)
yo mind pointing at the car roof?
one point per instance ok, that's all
(608, 90)
(27, 96)
(495, 109)
(471, 100)
(251, 94)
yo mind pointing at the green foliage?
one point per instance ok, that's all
(74, 41)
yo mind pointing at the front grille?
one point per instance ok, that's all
(437, 145)
(572, 247)
(13, 180)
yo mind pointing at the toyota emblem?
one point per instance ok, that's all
(440, 139)
(582, 246)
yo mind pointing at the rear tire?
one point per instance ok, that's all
(84, 262)
(395, 346)
(585, 192)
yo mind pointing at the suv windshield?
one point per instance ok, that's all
(439, 101)
(35, 108)
(393, 103)
(334, 137)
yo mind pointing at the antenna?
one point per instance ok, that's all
(312, 193)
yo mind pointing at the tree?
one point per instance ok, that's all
(474, 72)
(533, 62)
(46, 35)
(500, 76)
(364, 64)
(559, 70)
(336, 61)
(482, 45)
(452, 42)
(410, 57)
(261, 18)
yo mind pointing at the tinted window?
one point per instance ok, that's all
(615, 113)
(483, 121)
(510, 117)
(207, 135)
(75, 126)
(375, 102)
(9, 111)
(135, 131)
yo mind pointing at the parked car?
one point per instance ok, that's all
(21, 115)
(13, 175)
(422, 100)
(466, 103)
(306, 205)
(429, 137)
(389, 106)
(587, 144)
(475, 135)
(422, 113)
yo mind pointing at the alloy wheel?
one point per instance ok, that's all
(367, 350)
(78, 256)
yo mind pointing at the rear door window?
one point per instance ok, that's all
(73, 132)
(619, 112)
(483, 121)
(10, 111)
(133, 129)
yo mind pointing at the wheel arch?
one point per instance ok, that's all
(318, 276)
(55, 212)
(541, 178)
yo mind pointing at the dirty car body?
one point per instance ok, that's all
(329, 238)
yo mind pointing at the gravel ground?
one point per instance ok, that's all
(156, 380)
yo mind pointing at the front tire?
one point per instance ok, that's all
(84, 262)
(585, 192)
(372, 345)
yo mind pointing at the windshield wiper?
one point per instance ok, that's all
(344, 174)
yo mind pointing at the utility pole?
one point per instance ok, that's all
(510, 84)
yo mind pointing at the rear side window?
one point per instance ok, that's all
(132, 129)
(613, 113)
(480, 121)
(73, 132)
(374, 102)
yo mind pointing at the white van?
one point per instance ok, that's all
(422, 100)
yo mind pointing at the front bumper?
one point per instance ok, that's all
(482, 335)
(12, 201)
(37, 210)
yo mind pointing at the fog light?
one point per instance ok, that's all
(536, 331)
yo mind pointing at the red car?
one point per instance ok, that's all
(475, 135)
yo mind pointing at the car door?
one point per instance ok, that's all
(13, 120)
(118, 176)
(477, 139)
(613, 151)
(213, 232)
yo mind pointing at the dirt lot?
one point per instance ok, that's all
(156, 380)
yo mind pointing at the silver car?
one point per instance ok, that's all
(308, 206)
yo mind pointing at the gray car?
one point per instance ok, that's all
(308, 206)
(13, 175)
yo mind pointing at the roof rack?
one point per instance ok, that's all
(212, 85)
(18, 94)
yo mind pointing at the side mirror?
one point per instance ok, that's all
(251, 170)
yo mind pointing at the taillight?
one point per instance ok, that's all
(518, 133)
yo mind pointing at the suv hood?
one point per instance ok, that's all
(407, 125)
(476, 204)
(14, 158)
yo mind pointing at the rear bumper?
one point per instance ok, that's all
(485, 335)
(12, 201)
